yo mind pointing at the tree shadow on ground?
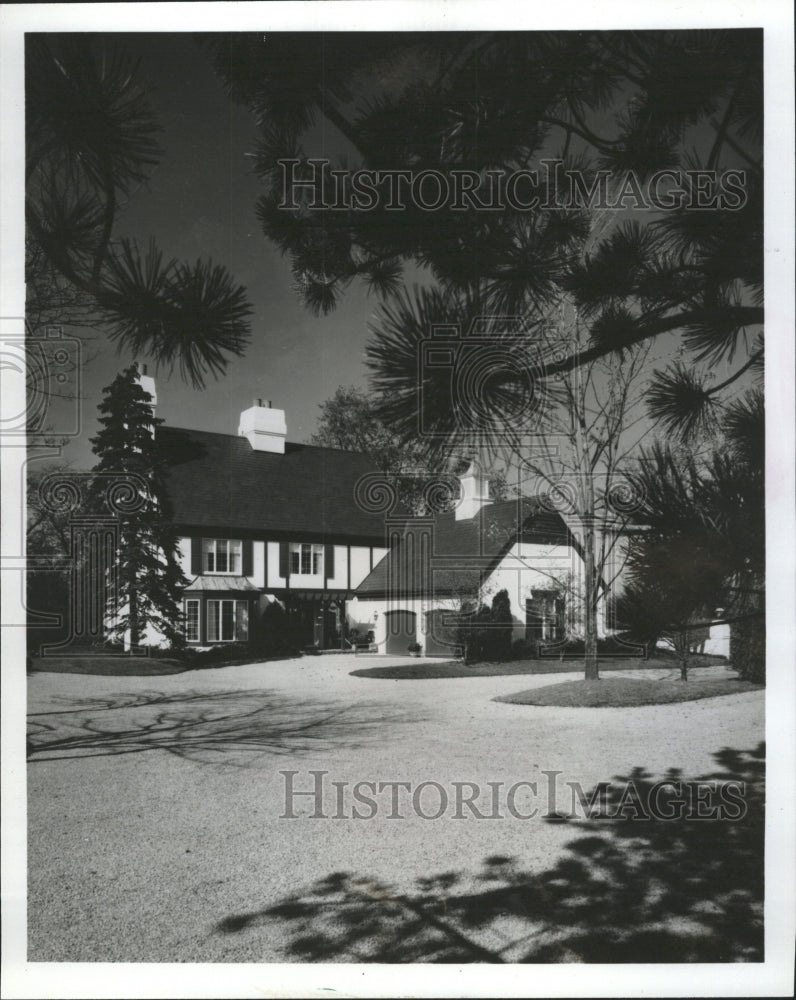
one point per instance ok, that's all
(229, 726)
(626, 890)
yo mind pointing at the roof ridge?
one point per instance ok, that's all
(235, 437)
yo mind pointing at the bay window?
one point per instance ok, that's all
(227, 621)
(192, 620)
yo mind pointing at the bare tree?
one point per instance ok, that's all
(592, 423)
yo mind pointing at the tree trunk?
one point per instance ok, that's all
(135, 625)
(591, 668)
(684, 665)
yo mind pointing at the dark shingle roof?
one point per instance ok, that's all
(464, 552)
(218, 481)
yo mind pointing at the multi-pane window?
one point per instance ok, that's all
(222, 555)
(544, 615)
(306, 559)
(192, 620)
(227, 621)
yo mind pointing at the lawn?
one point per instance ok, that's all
(620, 692)
(137, 666)
(106, 666)
(430, 669)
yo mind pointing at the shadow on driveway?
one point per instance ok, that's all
(228, 726)
(685, 890)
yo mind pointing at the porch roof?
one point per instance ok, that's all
(220, 583)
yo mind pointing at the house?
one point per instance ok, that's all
(437, 566)
(262, 519)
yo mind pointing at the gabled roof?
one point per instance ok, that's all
(461, 554)
(217, 481)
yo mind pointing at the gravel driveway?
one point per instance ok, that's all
(155, 802)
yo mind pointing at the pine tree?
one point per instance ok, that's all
(149, 580)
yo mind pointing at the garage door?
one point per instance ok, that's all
(401, 630)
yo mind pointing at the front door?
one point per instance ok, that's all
(440, 637)
(401, 631)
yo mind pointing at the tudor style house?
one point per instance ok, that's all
(262, 519)
(436, 566)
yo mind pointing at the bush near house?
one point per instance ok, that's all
(485, 635)
(274, 633)
(748, 649)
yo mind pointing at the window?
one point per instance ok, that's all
(306, 559)
(544, 615)
(227, 621)
(192, 620)
(222, 555)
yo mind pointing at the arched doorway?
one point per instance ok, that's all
(401, 631)
(440, 637)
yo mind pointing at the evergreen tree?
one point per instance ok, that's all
(618, 105)
(149, 579)
(502, 626)
(703, 543)
(91, 141)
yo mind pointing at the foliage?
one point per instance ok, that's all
(748, 648)
(485, 634)
(47, 549)
(502, 625)
(702, 547)
(667, 605)
(150, 580)
(91, 141)
(274, 633)
(627, 102)
(351, 420)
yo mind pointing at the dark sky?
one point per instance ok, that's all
(200, 203)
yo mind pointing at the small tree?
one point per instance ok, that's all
(149, 576)
(656, 610)
(704, 528)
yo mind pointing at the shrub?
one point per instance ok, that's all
(748, 649)
(486, 633)
(524, 649)
(502, 624)
(274, 633)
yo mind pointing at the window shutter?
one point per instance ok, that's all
(196, 556)
(284, 560)
(248, 557)
(328, 561)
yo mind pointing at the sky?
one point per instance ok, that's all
(200, 203)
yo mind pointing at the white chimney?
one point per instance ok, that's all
(146, 382)
(474, 492)
(263, 427)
